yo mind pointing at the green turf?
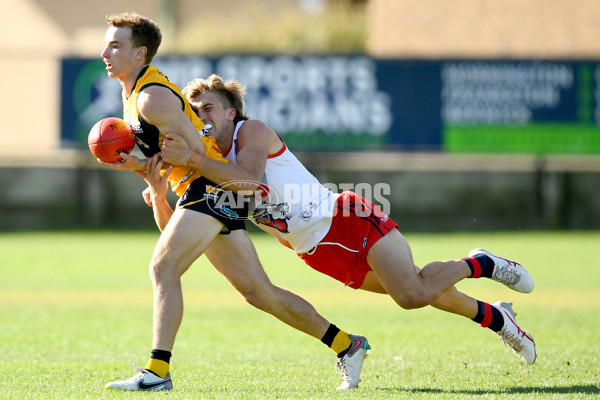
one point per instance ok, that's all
(75, 307)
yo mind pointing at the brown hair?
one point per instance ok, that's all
(230, 93)
(144, 31)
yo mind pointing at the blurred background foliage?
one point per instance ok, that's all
(309, 27)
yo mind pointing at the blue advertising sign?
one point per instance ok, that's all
(520, 107)
(324, 103)
(344, 103)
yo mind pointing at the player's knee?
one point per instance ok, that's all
(157, 276)
(256, 299)
(162, 273)
(265, 296)
(252, 294)
(413, 299)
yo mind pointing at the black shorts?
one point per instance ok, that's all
(207, 197)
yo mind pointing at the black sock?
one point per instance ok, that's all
(480, 265)
(162, 355)
(332, 331)
(489, 316)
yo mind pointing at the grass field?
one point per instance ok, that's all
(76, 307)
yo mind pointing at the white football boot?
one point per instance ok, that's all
(351, 363)
(513, 336)
(144, 380)
(508, 272)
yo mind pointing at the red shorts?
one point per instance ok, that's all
(342, 254)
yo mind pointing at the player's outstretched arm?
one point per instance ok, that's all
(254, 141)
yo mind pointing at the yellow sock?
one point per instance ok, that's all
(341, 342)
(159, 367)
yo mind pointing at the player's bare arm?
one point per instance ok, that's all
(255, 140)
(160, 107)
(155, 195)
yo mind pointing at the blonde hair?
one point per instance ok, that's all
(230, 93)
(144, 31)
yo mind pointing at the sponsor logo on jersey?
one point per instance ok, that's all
(229, 212)
(204, 131)
(274, 215)
(137, 129)
(280, 224)
(213, 189)
(308, 211)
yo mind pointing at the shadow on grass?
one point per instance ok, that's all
(582, 389)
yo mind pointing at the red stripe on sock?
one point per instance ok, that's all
(487, 316)
(476, 267)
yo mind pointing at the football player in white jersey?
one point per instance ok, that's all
(343, 235)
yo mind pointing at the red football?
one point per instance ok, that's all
(109, 137)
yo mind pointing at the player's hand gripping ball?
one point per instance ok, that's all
(109, 137)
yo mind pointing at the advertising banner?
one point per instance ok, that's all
(520, 107)
(356, 103)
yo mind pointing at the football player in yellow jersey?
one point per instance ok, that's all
(154, 106)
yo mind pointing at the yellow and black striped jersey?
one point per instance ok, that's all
(149, 139)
